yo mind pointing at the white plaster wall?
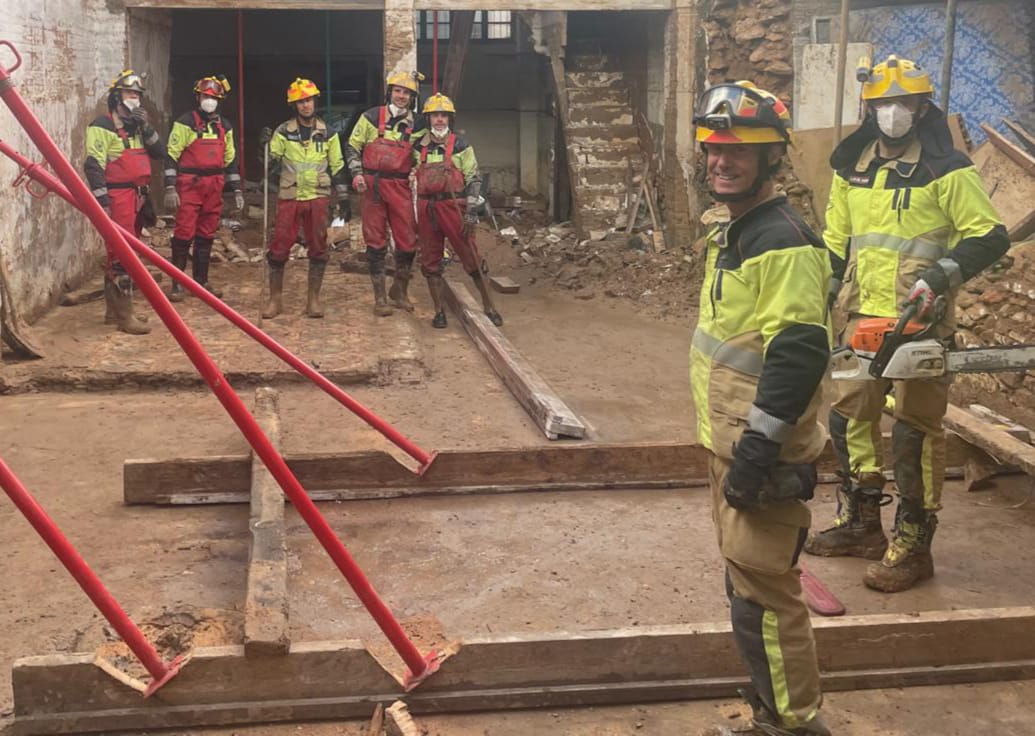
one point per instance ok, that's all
(71, 50)
(815, 85)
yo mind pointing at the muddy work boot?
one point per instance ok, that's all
(202, 259)
(401, 282)
(908, 559)
(180, 251)
(487, 305)
(765, 723)
(313, 308)
(381, 307)
(118, 294)
(276, 303)
(436, 285)
(856, 531)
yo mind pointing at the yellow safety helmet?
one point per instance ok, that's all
(740, 112)
(438, 102)
(301, 89)
(128, 79)
(409, 80)
(217, 87)
(893, 77)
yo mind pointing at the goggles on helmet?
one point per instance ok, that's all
(728, 106)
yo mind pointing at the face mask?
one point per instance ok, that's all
(209, 105)
(894, 120)
(396, 111)
(440, 132)
(131, 104)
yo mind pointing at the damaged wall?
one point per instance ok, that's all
(751, 39)
(70, 53)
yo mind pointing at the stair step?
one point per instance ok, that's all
(590, 63)
(599, 115)
(595, 80)
(604, 203)
(593, 97)
(590, 156)
(626, 132)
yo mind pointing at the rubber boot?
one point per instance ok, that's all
(376, 266)
(436, 285)
(202, 259)
(765, 723)
(908, 560)
(487, 305)
(856, 531)
(276, 303)
(180, 251)
(401, 282)
(119, 296)
(313, 308)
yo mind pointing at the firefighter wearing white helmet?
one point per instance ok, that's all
(757, 362)
(449, 188)
(908, 221)
(120, 146)
(380, 159)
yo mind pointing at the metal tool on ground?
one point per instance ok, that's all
(884, 348)
(420, 666)
(160, 671)
(40, 175)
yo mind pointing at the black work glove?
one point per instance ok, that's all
(790, 481)
(754, 456)
(143, 122)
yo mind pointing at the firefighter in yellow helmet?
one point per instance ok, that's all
(380, 159)
(201, 161)
(119, 148)
(449, 188)
(757, 363)
(311, 164)
(908, 221)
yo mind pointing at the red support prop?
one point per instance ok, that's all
(420, 666)
(160, 672)
(39, 174)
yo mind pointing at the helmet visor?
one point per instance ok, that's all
(727, 106)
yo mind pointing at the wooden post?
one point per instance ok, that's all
(842, 52)
(459, 38)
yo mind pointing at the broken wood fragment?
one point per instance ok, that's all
(399, 722)
(1014, 153)
(377, 722)
(997, 443)
(1027, 139)
(80, 296)
(504, 284)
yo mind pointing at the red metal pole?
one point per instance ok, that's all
(44, 177)
(420, 667)
(88, 581)
(240, 97)
(434, 55)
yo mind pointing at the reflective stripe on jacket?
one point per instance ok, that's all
(762, 346)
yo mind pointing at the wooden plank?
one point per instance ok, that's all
(1023, 228)
(266, 630)
(998, 444)
(321, 680)
(1011, 189)
(541, 402)
(461, 23)
(504, 284)
(1027, 139)
(375, 474)
(1018, 156)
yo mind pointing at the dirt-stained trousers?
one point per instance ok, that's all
(770, 619)
(917, 439)
(311, 215)
(437, 220)
(201, 204)
(388, 202)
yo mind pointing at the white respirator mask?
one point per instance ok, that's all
(440, 132)
(894, 120)
(131, 104)
(396, 111)
(209, 104)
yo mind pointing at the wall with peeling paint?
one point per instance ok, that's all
(70, 52)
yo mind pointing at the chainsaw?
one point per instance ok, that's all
(886, 348)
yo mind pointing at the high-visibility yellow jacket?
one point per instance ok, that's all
(762, 345)
(463, 158)
(889, 221)
(406, 127)
(106, 142)
(197, 125)
(310, 159)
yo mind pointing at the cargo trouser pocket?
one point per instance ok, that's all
(766, 541)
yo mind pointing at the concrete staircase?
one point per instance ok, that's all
(601, 136)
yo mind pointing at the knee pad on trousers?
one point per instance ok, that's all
(907, 444)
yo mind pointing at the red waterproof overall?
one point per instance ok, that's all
(126, 177)
(388, 200)
(441, 205)
(199, 182)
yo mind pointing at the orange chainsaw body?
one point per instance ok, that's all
(870, 333)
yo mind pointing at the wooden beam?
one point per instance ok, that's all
(1023, 229)
(542, 403)
(459, 37)
(324, 680)
(266, 605)
(377, 475)
(1015, 154)
(997, 443)
(1027, 139)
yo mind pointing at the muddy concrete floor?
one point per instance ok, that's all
(522, 562)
